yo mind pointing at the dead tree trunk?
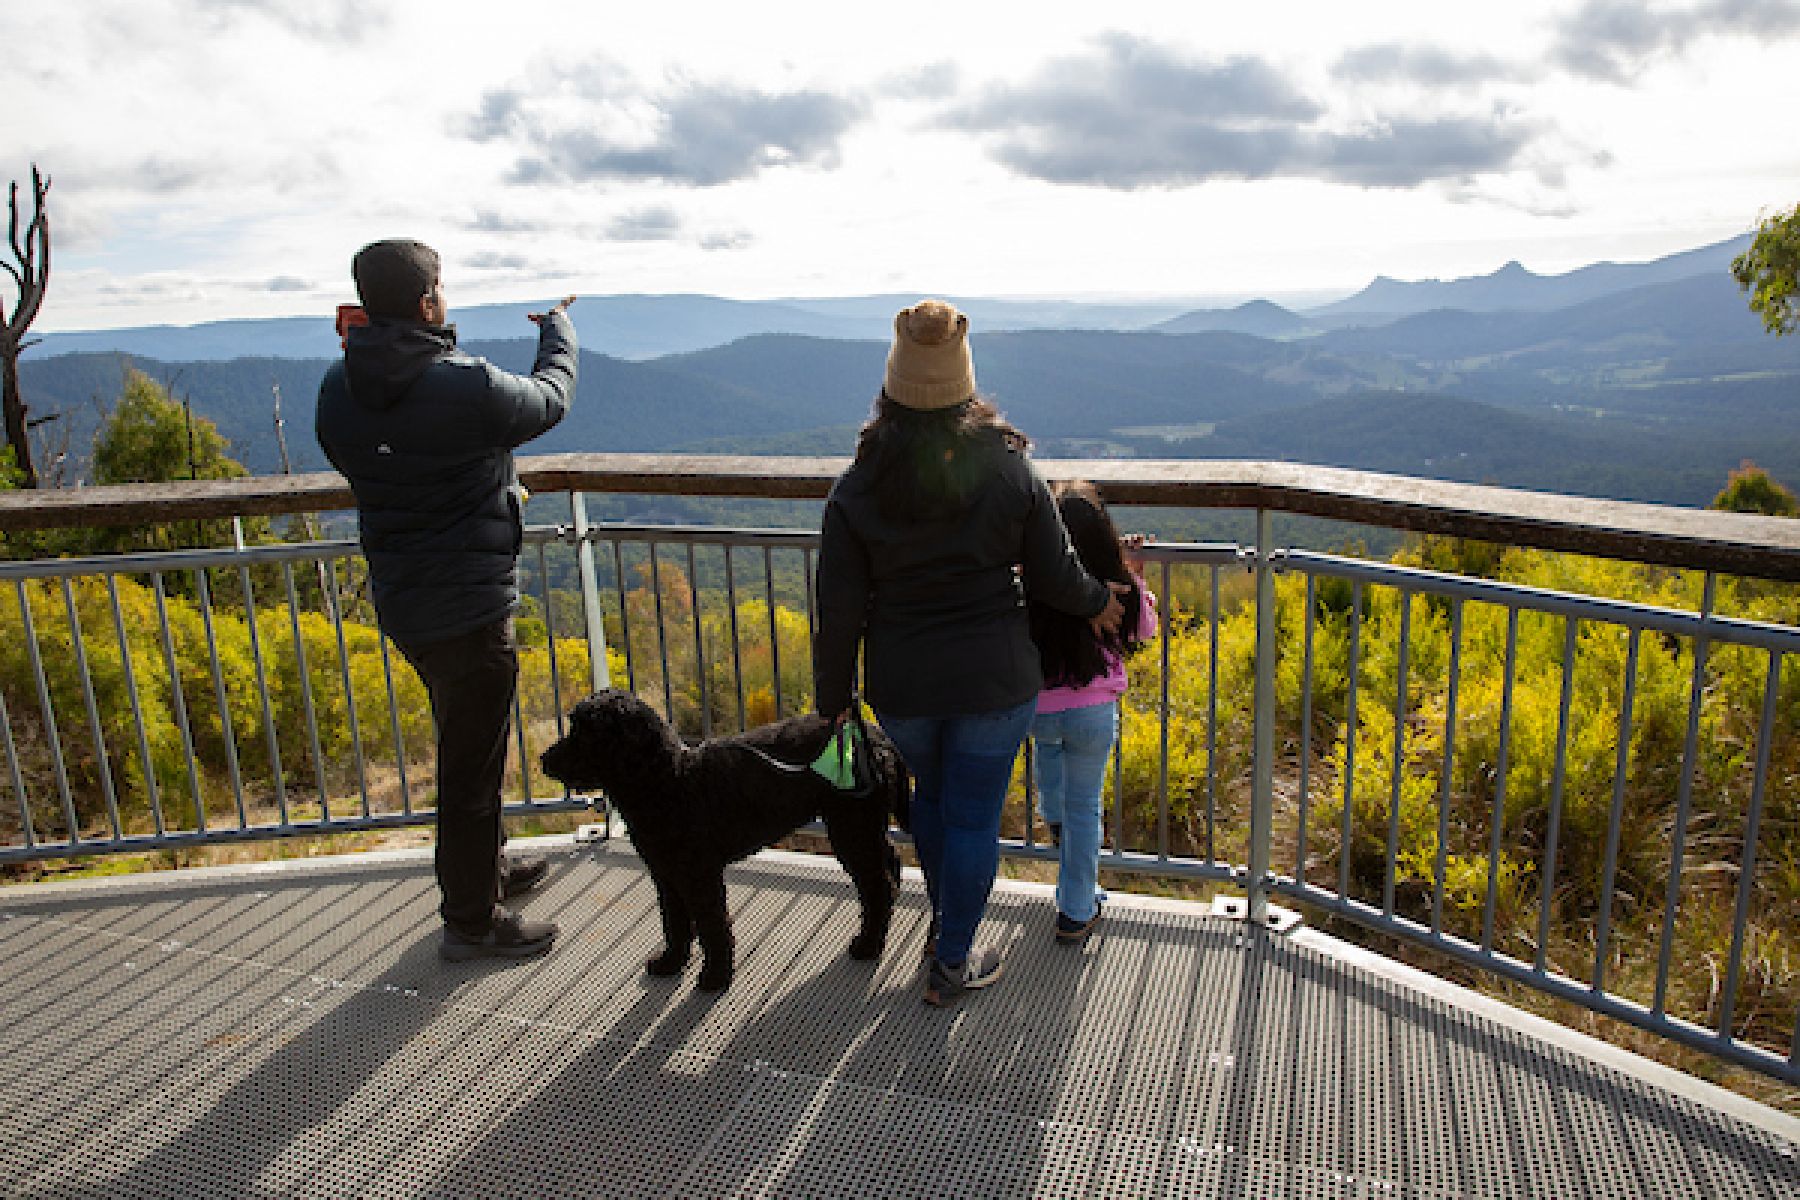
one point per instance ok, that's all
(31, 252)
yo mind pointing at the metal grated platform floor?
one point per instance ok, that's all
(289, 1031)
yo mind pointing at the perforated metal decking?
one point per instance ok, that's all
(290, 1031)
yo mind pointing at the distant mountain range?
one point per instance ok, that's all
(646, 326)
(633, 327)
(1652, 389)
(1513, 288)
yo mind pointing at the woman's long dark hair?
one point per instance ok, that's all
(1067, 647)
(927, 464)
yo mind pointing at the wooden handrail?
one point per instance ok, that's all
(1696, 539)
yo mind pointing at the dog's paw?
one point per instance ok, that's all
(714, 979)
(864, 947)
(669, 962)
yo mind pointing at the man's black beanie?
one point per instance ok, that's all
(392, 276)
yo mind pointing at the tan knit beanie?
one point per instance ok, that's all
(929, 366)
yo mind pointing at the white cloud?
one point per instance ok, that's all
(212, 157)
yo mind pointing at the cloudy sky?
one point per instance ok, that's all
(224, 158)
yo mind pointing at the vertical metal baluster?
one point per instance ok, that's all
(1558, 775)
(1162, 709)
(1212, 721)
(699, 643)
(343, 646)
(518, 711)
(588, 610)
(1499, 817)
(262, 692)
(662, 640)
(227, 733)
(393, 698)
(1033, 797)
(624, 615)
(599, 671)
(1262, 782)
(1352, 670)
(1398, 764)
(812, 618)
(774, 627)
(1752, 831)
(1440, 869)
(51, 734)
(178, 699)
(1616, 816)
(151, 792)
(1118, 794)
(737, 644)
(556, 700)
(26, 825)
(519, 741)
(101, 757)
(1306, 698)
(304, 670)
(1684, 802)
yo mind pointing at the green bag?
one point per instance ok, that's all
(845, 762)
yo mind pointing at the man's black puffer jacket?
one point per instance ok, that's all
(425, 434)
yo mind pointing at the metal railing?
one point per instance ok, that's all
(1396, 746)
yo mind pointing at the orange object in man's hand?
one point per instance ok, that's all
(349, 315)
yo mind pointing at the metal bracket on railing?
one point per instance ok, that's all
(1237, 908)
(596, 831)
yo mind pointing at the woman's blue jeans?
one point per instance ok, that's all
(961, 767)
(1072, 748)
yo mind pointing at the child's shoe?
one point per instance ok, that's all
(1069, 931)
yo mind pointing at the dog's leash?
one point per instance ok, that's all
(852, 759)
(786, 768)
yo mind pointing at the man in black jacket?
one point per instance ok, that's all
(424, 433)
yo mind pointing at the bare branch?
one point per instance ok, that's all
(12, 226)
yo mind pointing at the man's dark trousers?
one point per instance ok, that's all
(472, 680)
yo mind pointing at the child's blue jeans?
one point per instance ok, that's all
(961, 767)
(1072, 749)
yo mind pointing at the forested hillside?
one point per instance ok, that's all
(1650, 393)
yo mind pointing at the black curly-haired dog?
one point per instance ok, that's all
(691, 810)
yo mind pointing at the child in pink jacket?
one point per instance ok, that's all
(1077, 719)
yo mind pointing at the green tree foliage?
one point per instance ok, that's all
(147, 440)
(1753, 490)
(150, 438)
(1770, 272)
(130, 745)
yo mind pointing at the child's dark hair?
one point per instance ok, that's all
(1067, 647)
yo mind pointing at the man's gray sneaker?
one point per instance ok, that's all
(509, 936)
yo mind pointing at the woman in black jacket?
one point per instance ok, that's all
(930, 544)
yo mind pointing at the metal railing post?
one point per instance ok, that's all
(1262, 771)
(590, 593)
